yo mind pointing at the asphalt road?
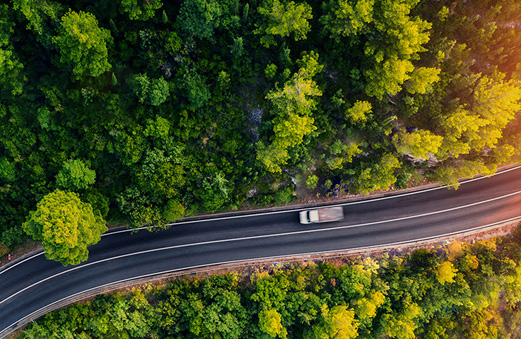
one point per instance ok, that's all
(36, 282)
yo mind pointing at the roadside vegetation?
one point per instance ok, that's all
(456, 290)
(147, 111)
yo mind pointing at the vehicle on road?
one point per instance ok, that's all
(326, 214)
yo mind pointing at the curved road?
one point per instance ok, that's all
(34, 283)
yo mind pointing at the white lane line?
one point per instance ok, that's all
(263, 236)
(21, 262)
(354, 249)
(292, 210)
(298, 209)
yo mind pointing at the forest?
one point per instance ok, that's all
(456, 290)
(143, 112)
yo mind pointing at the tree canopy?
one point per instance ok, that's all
(66, 226)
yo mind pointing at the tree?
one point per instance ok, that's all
(380, 175)
(66, 226)
(480, 126)
(337, 322)
(140, 10)
(153, 92)
(173, 211)
(387, 77)
(359, 111)
(392, 39)
(270, 322)
(159, 92)
(421, 80)
(140, 84)
(347, 18)
(11, 76)
(41, 16)
(401, 325)
(198, 92)
(200, 17)
(83, 44)
(283, 20)
(75, 175)
(446, 272)
(215, 192)
(418, 144)
(292, 107)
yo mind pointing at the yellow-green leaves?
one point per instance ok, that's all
(140, 10)
(338, 322)
(348, 18)
(75, 175)
(292, 105)
(402, 325)
(418, 144)
(421, 80)
(480, 126)
(283, 20)
(66, 226)
(359, 111)
(270, 323)
(82, 44)
(377, 176)
(446, 272)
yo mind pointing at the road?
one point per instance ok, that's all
(36, 282)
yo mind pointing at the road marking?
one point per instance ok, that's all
(355, 249)
(368, 200)
(262, 236)
(21, 262)
(287, 211)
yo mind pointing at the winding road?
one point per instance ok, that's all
(33, 285)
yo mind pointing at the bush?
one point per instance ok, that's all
(312, 182)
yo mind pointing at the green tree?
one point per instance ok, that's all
(270, 322)
(158, 92)
(337, 322)
(198, 92)
(140, 10)
(421, 80)
(153, 92)
(83, 44)
(283, 20)
(201, 17)
(292, 107)
(173, 211)
(371, 177)
(75, 175)
(446, 272)
(66, 226)
(347, 18)
(418, 144)
(311, 182)
(359, 111)
(401, 325)
(41, 16)
(11, 76)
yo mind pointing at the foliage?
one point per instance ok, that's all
(140, 10)
(311, 182)
(455, 291)
(205, 105)
(418, 144)
(83, 44)
(75, 175)
(283, 19)
(200, 17)
(66, 226)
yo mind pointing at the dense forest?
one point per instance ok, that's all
(147, 111)
(454, 291)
